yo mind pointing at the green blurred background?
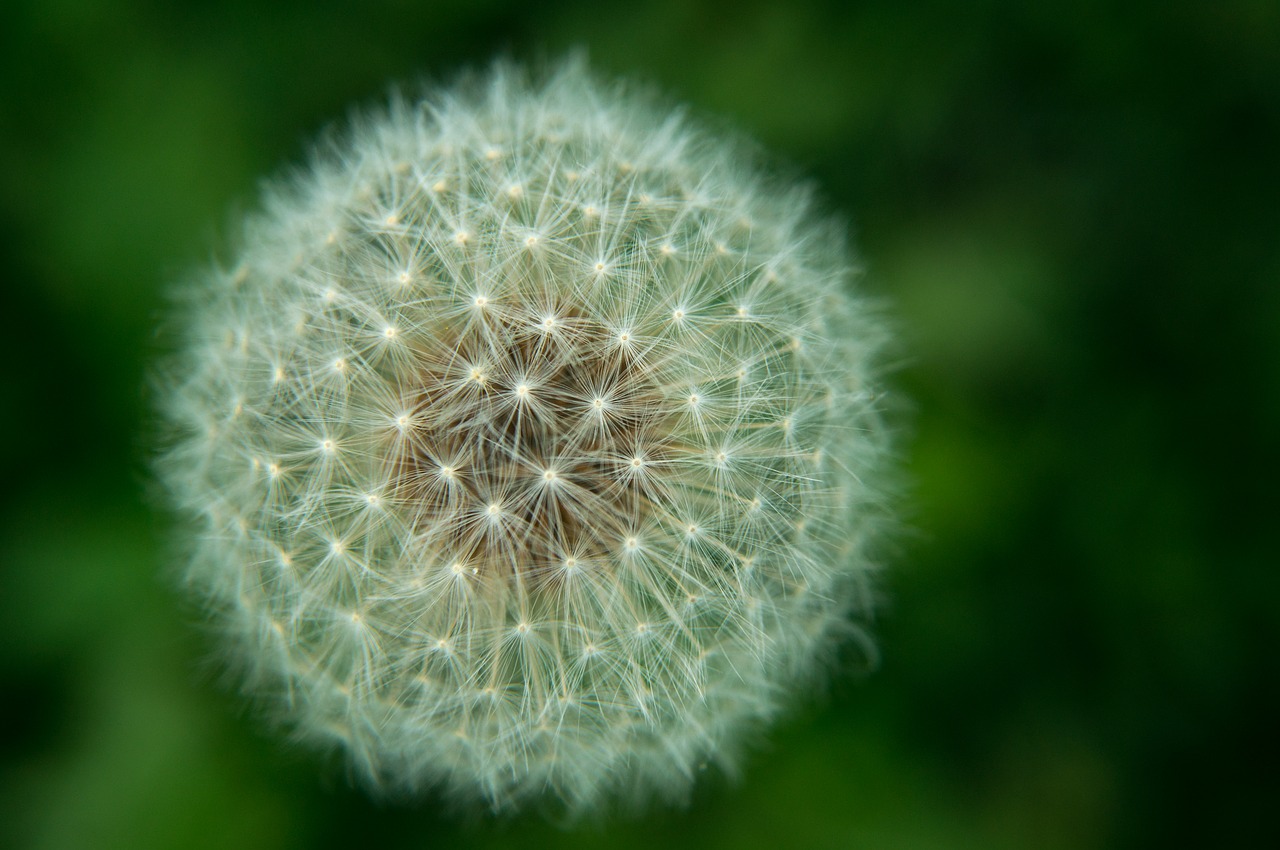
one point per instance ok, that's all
(1074, 209)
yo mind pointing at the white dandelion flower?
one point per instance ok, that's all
(532, 445)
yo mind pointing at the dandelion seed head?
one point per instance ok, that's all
(524, 481)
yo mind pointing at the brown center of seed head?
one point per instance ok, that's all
(532, 445)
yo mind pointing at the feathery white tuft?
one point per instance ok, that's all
(533, 445)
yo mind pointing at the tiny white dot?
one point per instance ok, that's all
(390, 332)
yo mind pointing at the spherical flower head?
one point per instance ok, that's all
(532, 445)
